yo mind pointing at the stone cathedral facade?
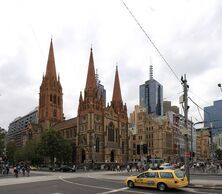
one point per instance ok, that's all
(99, 133)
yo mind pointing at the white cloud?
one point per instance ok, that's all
(187, 33)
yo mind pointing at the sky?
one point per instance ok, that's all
(187, 33)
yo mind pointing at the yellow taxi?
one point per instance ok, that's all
(160, 179)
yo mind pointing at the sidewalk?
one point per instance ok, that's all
(206, 184)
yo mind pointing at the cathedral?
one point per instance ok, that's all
(99, 133)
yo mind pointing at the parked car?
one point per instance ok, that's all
(160, 179)
(66, 168)
(33, 168)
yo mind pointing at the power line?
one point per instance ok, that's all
(200, 98)
(199, 113)
(25, 12)
(161, 55)
(201, 108)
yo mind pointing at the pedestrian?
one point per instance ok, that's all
(15, 172)
(27, 168)
(23, 170)
(7, 168)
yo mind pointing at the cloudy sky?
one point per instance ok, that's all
(187, 32)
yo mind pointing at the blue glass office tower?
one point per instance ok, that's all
(151, 95)
(213, 117)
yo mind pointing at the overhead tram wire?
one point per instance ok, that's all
(161, 55)
(200, 98)
(25, 12)
(200, 108)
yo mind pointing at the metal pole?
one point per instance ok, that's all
(187, 168)
(191, 146)
(211, 141)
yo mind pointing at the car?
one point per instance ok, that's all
(160, 179)
(67, 169)
(33, 168)
(166, 167)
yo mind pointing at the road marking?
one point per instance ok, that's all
(128, 191)
(97, 178)
(114, 191)
(106, 188)
(193, 190)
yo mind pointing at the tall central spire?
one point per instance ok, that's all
(117, 98)
(51, 69)
(91, 78)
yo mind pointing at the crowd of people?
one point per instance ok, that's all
(21, 168)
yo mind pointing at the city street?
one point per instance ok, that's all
(82, 183)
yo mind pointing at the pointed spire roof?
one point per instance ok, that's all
(116, 89)
(51, 68)
(91, 78)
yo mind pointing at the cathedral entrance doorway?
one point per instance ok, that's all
(83, 158)
(112, 156)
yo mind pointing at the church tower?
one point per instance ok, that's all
(50, 96)
(117, 126)
(117, 102)
(90, 118)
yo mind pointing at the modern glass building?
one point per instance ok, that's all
(213, 117)
(151, 96)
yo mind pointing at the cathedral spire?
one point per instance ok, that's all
(117, 98)
(91, 78)
(51, 69)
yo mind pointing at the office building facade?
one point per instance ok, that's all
(213, 118)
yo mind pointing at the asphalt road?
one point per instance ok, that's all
(87, 185)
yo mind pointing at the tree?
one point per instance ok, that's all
(53, 145)
(218, 153)
(10, 151)
(31, 152)
(2, 143)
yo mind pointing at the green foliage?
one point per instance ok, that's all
(2, 145)
(53, 145)
(29, 153)
(219, 154)
(11, 148)
(19, 155)
(50, 145)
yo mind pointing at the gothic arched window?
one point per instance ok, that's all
(123, 147)
(111, 132)
(97, 144)
(58, 100)
(54, 99)
(54, 113)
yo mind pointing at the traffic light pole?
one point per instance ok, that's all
(187, 152)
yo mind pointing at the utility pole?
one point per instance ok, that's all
(185, 101)
(191, 145)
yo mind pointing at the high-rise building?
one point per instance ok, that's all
(213, 118)
(151, 95)
(167, 107)
(18, 126)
